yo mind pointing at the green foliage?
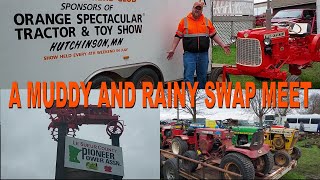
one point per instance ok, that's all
(308, 164)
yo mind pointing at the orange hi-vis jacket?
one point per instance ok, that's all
(195, 33)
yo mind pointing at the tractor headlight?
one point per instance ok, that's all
(233, 39)
(267, 41)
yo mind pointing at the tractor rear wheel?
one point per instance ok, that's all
(216, 75)
(188, 165)
(264, 164)
(296, 153)
(236, 163)
(170, 169)
(282, 158)
(279, 142)
(179, 146)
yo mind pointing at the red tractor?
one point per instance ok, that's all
(214, 146)
(167, 132)
(262, 52)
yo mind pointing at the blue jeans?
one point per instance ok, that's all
(196, 62)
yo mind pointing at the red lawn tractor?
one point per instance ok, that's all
(262, 52)
(214, 146)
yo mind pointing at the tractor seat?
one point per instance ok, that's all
(305, 29)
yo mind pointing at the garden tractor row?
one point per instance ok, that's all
(263, 52)
(280, 140)
(214, 146)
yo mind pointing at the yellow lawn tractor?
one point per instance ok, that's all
(282, 142)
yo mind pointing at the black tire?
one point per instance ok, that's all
(264, 163)
(296, 153)
(170, 169)
(179, 146)
(96, 82)
(261, 79)
(293, 78)
(216, 75)
(188, 165)
(237, 163)
(282, 158)
(162, 160)
(144, 75)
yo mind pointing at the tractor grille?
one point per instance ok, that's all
(248, 52)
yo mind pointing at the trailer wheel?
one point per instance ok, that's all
(296, 153)
(236, 163)
(293, 78)
(144, 75)
(96, 82)
(217, 75)
(188, 165)
(162, 160)
(170, 169)
(282, 158)
(264, 164)
(179, 146)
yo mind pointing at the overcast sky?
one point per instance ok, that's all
(28, 152)
(221, 113)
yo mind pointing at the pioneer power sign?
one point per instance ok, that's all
(92, 156)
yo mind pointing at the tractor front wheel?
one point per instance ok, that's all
(217, 75)
(236, 163)
(282, 158)
(296, 153)
(293, 78)
(264, 163)
(179, 146)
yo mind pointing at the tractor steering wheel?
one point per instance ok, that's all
(290, 25)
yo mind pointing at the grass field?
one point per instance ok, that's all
(309, 74)
(308, 164)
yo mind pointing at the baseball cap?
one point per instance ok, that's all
(200, 4)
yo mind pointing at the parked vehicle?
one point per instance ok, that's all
(296, 16)
(96, 41)
(310, 121)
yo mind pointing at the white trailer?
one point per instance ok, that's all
(91, 40)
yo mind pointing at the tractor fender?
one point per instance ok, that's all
(315, 43)
(252, 154)
(183, 137)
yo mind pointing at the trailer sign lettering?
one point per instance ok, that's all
(91, 156)
(274, 35)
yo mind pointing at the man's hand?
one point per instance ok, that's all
(226, 49)
(170, 54)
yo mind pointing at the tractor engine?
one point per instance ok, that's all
(211, 140)
(205, 143)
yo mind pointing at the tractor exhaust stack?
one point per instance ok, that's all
(268, 16)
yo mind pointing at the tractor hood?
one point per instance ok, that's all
(244, 129)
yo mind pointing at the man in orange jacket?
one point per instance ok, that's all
(195, 30)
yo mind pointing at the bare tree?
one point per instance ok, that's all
(314, 104)
(197, 109)
(256, 106)
(199, 97)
